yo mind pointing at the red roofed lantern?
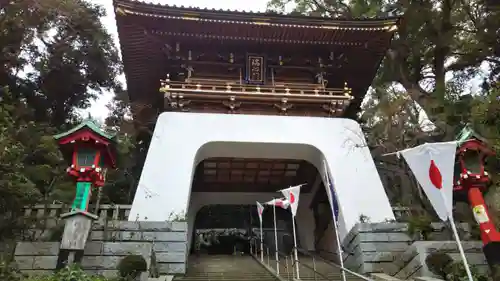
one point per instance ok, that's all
(89, 152)
(471, 180)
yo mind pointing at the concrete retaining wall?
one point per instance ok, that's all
(164, 243)
(168, 240)
(387, 248)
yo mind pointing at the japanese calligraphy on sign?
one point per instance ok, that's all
(256, 69)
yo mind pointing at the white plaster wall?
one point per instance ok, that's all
(181, 140)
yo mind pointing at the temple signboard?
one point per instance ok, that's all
(255, 69)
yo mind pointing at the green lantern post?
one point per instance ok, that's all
(89, 151)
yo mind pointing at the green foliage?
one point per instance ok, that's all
(457, 272)
(56, 57)
(441, 264)
(61, 41)
(73, 273)
(438, 262)
(9, 271)
(178, 217)
(131, 266)
(420, 226)
(428, 72)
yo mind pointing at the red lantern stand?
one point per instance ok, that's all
(469, 187)
(89, 151)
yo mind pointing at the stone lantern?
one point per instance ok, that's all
(471, 180)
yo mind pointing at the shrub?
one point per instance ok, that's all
(131, 266)
(446, 268)
(9, 271)
(421, 226)
(438, 263)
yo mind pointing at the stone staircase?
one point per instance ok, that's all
(246, 268)
(324, 270)
(225, 268)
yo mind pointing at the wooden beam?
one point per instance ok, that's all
(239, 187)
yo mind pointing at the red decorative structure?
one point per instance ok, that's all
(89, 151)
(470, 182)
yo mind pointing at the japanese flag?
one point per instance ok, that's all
(279, 202)
(433, 167)
(260, 209)
(292, 196)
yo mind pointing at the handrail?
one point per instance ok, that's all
(268, 252)
(335, 265)
(330, 252)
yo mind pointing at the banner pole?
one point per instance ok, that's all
(335, 221)
(261, 243)
(276, 239)
(295, 248)
(339, 247)
(460, 248)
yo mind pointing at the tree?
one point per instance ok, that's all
(56, 55)
(436, 39)
(436, 53)
(121, 182)
(15, 188)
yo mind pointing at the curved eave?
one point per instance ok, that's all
(159, 10)
(144, 27)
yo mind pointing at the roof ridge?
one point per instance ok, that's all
(149, 4)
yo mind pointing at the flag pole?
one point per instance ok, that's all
(339, 247)
(261, 243)
(457, 239)
(335, 224)
(295, 248)
(460, 248)
(276, 239)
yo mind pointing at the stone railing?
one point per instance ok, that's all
(121, 212)
(44, 219)
(106, 211)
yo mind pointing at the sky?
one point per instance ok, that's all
(98, 109)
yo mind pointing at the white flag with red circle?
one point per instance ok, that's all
(292, 196)
(260, 210)
(433, 167)
(279, 202)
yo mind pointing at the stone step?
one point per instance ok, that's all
(225, 268)
(245, 268)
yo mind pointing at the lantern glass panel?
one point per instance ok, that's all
(101, 161)
(457, 170)
(473, 162)
(86, 156)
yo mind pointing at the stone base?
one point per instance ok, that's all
(387, 248)
(412, 262)
(492, 253)
(162, 244)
